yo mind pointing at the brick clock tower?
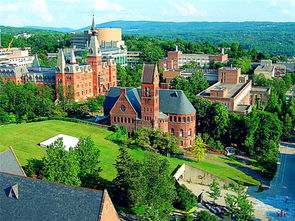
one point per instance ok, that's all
(95, 60)
(150, 96)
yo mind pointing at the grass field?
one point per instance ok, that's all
(24, 138)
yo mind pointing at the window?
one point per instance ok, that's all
(115, 119)
(184, 119)
(123, 108)
(188, 118)
(172, 132)
(175, 119)
(181, 133)
(170, 118)
(189, 132)
(179, 119)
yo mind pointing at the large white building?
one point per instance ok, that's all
(15, 57)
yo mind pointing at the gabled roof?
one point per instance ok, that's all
(148, 73)
(36, 61)
(10, 164)
(41, 200)
(171, 101)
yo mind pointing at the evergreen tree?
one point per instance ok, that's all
(215, 191)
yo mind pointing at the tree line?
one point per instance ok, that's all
(24, 102)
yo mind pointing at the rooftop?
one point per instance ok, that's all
(9, 163)
(35, 200)
(229, 68)
(232, 89)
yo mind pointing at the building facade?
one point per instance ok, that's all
(232, 90)
(36, 74)
(78, 82)
(150, 106)
(176, 59)
(15, 57)
(109, 40)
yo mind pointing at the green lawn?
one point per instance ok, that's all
(24, 138)
(226, 160)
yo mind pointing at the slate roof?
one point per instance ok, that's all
(171, 101)
(41, 200)
(148, 73)
(10, 164)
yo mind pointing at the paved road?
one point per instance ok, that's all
(283, 185)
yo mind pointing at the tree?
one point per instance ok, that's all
(146, 183)
(206, 216)
(288, 127)
(122, 180)
(88, 157)
(215, 191)
(186, 200)
(239, 204)
(217, 120)
(198, 149)
(61, 166)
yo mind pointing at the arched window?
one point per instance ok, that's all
(179, 119)
(181, 133)
(184, 119)
(172, 132)
(175, 119)
(189, 132)
(188, 119)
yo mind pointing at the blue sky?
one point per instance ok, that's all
(78, 13)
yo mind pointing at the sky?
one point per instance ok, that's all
(78, 13)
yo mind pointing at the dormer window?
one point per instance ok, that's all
(13, 191)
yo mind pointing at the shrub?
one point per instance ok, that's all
(187, 217)
(206, 216)
(186, 200)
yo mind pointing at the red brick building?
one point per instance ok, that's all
(84, 81)
(232, 90)
(176, 59)
(150, 106)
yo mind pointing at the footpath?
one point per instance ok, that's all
(281, 194)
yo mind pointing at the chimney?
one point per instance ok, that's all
(222, 51)
(176, 48)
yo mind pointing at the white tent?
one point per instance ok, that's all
(68, 141)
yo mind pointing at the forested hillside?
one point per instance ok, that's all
(268, 37)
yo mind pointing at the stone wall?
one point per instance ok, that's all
(190, 174)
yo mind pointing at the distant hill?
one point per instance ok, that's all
(19, 30)
(146, 27)
(269, 37)
(62, 29)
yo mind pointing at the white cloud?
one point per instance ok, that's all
(40, 9)
(68, 1)
(285, 11)
(10, 7)
(184, 8)
(105, 5)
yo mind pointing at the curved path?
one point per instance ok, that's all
(283, 185)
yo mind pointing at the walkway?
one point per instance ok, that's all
(283, 185)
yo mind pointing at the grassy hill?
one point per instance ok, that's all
(24, 138)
